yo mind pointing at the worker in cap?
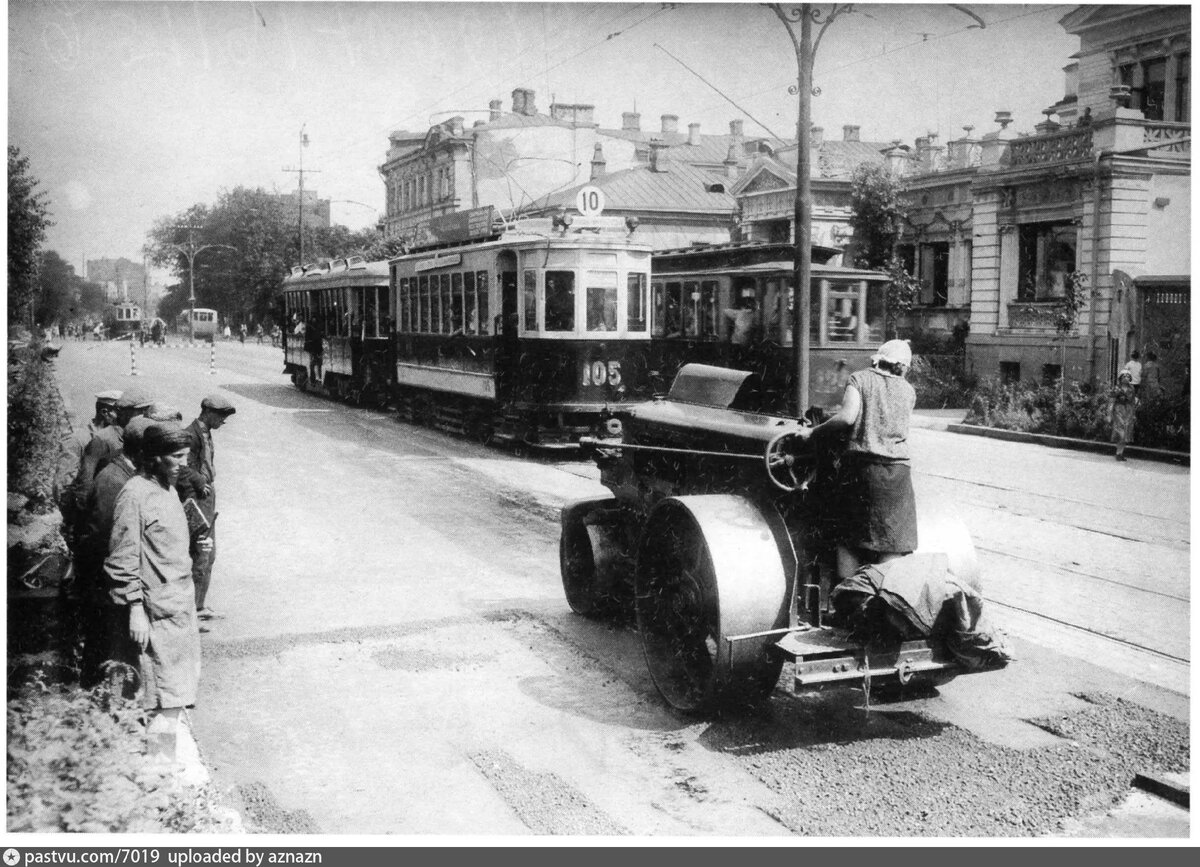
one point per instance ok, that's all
(109, 441)
(875, 514)
(100, 628)
(198, 483)
(159, 411)
(150, 578)
(70, 458)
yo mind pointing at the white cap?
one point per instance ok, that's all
(894, 352)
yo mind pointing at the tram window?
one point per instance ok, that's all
(481, 291)
(843, 316)
(402, 291)
(876, 302)
(635, 312)
(447, 306)
(531, 300)
(560, 300)
(470, 314)
(456, 303)
(659, 301)
(602, 300)
(385, 311)
(669, 312)
(700, 308)
(423, 283)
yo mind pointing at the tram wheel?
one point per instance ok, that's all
(708, 569)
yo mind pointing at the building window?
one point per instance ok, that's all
(1183, 107)
(1010, 372)
(1045, 260)
(1147, 81)
(935, 274)
(1051, 373)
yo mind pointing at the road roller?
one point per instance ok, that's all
(715, 541)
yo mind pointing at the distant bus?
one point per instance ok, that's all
(123, 319)
(203, 323)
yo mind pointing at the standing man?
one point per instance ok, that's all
(150, 574)
(108, 441)
(97, 613)
(197, 482)
(70, 456)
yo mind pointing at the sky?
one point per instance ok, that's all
(133, 111)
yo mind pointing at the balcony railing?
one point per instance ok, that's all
(1173, 138)
(1055, 147)
(1035, 315)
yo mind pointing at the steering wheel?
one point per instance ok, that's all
(780, 460)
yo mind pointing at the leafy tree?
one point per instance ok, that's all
(876, 213)
(902, 291)
(28, 220)
(57, 288)
(242, 283)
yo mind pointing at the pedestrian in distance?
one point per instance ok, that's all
(876, 518)
(314, 345)
(1123, 412)
(1134, 368)
(197, 482)
(258, 332)
(150, 573)
(242, 333)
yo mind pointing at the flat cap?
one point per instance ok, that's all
(160, 411)
(134, 398)
(135, 431)
(108, 398)
(217, 404)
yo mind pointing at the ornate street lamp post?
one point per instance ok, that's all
(806, 51)
(191, 251)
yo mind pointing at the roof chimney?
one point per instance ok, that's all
(735, 128)
(670, 123)
(530, 105)
(816, 137)
(518, 97)
(598, 163)
(631, 120)
(495, 108)
(731, 161)
(849, 133)
(693, 133)
(658, 156)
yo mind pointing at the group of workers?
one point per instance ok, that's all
(137, 492)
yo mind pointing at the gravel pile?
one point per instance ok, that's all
(262, 814)
(842, 772)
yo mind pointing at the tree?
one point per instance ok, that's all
(902, 291)
(243, 284)
(876, 214)
(28, 220)
(57, 289)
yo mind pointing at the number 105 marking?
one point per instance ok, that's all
(602, 373)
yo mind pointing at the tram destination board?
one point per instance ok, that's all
(471, 225)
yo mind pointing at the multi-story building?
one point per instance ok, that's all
(1002, 228)
(121, 278)
(316, 209)
(517, 162)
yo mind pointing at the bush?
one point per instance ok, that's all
(1077, 410)
(35, 415)
(77, 763)
(941, 381)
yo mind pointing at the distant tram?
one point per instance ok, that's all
(123, 319)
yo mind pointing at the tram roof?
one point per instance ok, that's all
(829, 272)
(364, 272)
(581, 231)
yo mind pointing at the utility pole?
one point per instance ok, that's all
(300, 171)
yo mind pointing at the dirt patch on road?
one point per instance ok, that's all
(546, 803)
(263, 815)
(418, 659)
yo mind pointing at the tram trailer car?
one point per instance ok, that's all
(531, 336)
(349, 301)
(713, 538)
(703, 297)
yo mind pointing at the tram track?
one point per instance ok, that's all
(1083, 574)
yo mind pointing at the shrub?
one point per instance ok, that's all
(77, 763)
(1164, 421)
(34, 424)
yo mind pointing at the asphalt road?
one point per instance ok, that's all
(396, 656)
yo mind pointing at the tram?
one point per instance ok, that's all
(346, 305)
(123, 319)
(732, 306)
(528, 335)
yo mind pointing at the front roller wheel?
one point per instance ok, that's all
(594, 558)
(708, 568)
